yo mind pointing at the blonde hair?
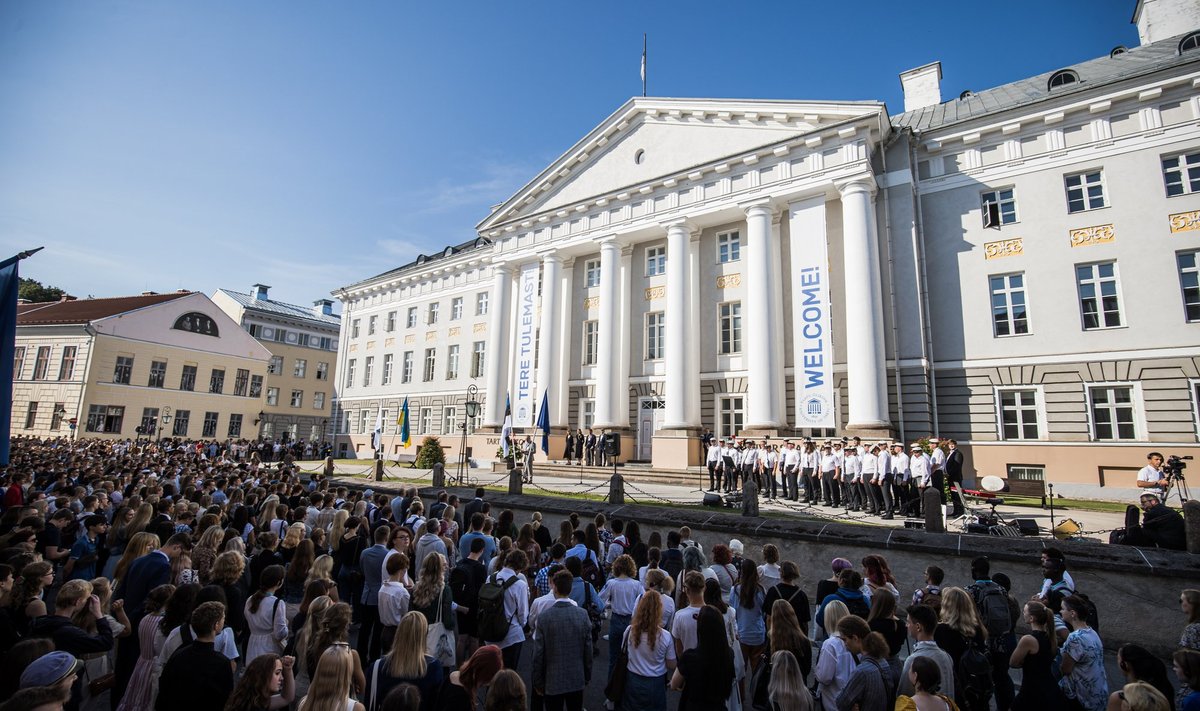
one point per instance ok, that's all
(322, 569)
(295, 534)
(338, 529)
(139, 545)
(958, 613)
(430, 581)
(1143, 697)
(227, 568)
(834, 612)
(647, 619)
(786, 689)
(330, 687)
(407, 656)
(212, 537)
(312, 623)
(267, 512)
(658, 580)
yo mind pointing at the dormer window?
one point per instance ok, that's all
(966, 95)
(1062, 78)
(1117, 51)
(1189, 43)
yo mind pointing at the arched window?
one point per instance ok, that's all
(640, 156)
(1062, 78)
(1118, 51)
(194, 322)
(1189, 43)
(966, 94)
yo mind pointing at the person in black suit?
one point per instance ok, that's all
(474, 505)
(954, 477)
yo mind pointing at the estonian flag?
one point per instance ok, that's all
(9, 281)
(402, 423)
(543, 422)
(506, 429)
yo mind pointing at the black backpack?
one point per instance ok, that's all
(856, 605)
(973, 674)
(491, 624)
(992, 604)
(672, 562)
(590, 572)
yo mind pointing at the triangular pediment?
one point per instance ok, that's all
(655, 139)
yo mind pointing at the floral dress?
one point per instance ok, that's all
(139, 694)
(1087, 683)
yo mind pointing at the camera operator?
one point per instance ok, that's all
(1151, 476)
(1161, 526)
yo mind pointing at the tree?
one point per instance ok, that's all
(430, 453)
(33, 290)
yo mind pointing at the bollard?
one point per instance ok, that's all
(935, 512)
(750, 497)
(616, 490)
(329, 466)
(378, 470)
(1191, 522)
(514, 482)
(439, 475)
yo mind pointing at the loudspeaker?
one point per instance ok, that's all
(1027, 526)
(977, 528)
(711, 499)
(612, 444)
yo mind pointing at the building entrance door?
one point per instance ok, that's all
(650, 415)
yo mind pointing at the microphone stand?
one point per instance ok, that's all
(1053, 525)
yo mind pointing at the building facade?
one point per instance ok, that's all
(298, 395)
(154, 365)
(1015, 268)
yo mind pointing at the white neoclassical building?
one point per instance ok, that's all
(1015, 268)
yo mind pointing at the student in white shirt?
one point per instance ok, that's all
(920, 473)
(870, 483)
(713, 461)
(1150, 478)
(791, 470)
(852, 491)
(620, 594)
(393, 597)
(831, 493)
(516, 607)
(884, 476)
(683, 626)
(651, 657)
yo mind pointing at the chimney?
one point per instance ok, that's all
(66, 297)
(323, 307)
(922, 86)
(1161, 19)
(260, 292)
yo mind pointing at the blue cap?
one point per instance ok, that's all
(49, 669)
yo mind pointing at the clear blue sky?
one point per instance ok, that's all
(306, 145)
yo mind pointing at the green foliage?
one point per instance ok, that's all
(33, 290)
(430, 453)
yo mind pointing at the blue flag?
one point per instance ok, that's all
(405, 437)
(543, 422)
(8, 337)
(506, 427)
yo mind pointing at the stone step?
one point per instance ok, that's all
(633, 472)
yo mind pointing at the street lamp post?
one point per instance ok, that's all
(164, 420)
(472, 410)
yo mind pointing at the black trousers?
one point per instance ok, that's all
(570, 701)
(810, 486)
(511, 655)
(791, 489)
(370, 634)
(714, 479)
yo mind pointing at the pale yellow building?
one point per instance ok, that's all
(167, 364)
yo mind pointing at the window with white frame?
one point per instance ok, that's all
(301, 368)
(318, 401)
(733, 413)
(1009, 315)
(297, 398)
(354, 328)
(478, 356)
(1019, 413)
(1035, 473)
(272, 396)
(430, 363)
(425, 424)
(654, 335)
(411, 321)
(322, 371)
(275, 365)
(1085, 191)
(731, 327)
(406, 367)
(729, 246)
(391, 321)
(362, 421)
(387, 369)
(1099, 298)
(350, 365)
(368, 367)
(452, 362)
(591, 339)
(449, 419)
(591, 273)
(1195, 386)
(1189, 283)
(372, 322)
(456, 308)
(481, 303)
(1181, 173)
(431, 316)
(1112, 411)
(656, 260)
(587, 413)
(41, 365)
(66, 367)
(19, 365)
(999, 207)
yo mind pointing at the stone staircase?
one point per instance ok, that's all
(635, 472)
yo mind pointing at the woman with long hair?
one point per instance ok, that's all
(141, 519)
(204, 553)
(566, 534)
(331, 683)
(785, 633)
(883, 620)
(747, 598)
(714, 597)
(292, 537)
(651, 655)
(525, 542)
(1034, 656)
(1138, 664)
(878, 575)
(661, 583)
(266, 615)
(406, 662)
(266, 685)
(958, 628)
(620, 594)
(139, 691)
(1186, 664)
(307, 631)
(722, 568)
(297, 572)
(139, 544)
(926, 679)
(350, 545)
(787, 690)
(227, 573)
(461, 690)
(506, 692)
(118, 538)
(705, 672)
(333, 630)
(835, 663)
(870, 686)
(1140, 696)
(431, 596)
(1083, 677)
(322, 569)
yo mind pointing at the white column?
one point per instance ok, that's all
(499, 325)
(608, 339)
(865, 372)
(548, 341)
(625, 325)
(760, 317)
(679, 325)
(693, 345)
(560, 400)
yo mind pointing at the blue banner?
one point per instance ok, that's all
(9, 281)
(543, 422)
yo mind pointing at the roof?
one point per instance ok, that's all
(82, 311)
(424, 259)
(1092, 73)
(279, 308)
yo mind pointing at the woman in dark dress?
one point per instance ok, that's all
(1034, 656)
(884, 621)
(705, 673)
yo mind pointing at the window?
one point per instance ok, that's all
(297, 398)
(1189, 42)
(430, 363)
(656, 261)
(241, 380)
(1027, 472)
(66, 368)
(1085, 191)
(281, 335)
(452, 362)
(481, 303)
(391, 322)
(326, 343)
(406, 367)
(449, 420)
(235, 425)
(412, 317)
(587, 414)
(275, 365)
(654, 335)
(1009, 316)
(300, 368)
(425, 422)
(302, 339)
(318, 401)
(272, 396)
(432, 316)
(591, 273)
(456, 308)
(1189, 282)
(350, 372)
(1018, 414)
(210, 425)
(368, 366)
(999, 207)
(1112, 412)
(256, 383)
(42, 363)
(158, 374)
(216, 383)
(591, 339)
(187, 381)
(372, 321)
(105, 418)
(732, 415)
(1062, 78)
(322, 371)
(149, 420)
(1098, 298)
(477, 358)
(18, 361)
(56, 415)
(179, 426)
(124, 370)
(731, 327)
(729, 247)
(387, 369)
(31, 415)
(1182, 173)
(354, 328)
(362, 421)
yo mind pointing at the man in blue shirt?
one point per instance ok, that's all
(489, 543)
(82, 564)
(580, 549)
(370, 563)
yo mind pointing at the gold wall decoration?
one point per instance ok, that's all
(729, 281)
(591, 302)
(410, 338)
(1185, 221)
(431, 335)
(1086, 236)
(389, 342)
(454, 331)
(479, 328)
(370, 345)
(353, 347)
(1004, 248)
(656, 292)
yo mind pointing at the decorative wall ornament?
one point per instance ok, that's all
(431, 335)
(1004, 248)
(479, 328)
(656, 292)
(454, 331)
(1086, 236)
(410, 338)
(370, 345)
(591, 302)
(729, 281)
(1185, 221)
(389, 342)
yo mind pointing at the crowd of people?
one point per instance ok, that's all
(174, 577)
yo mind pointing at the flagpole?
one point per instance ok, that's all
(643, 65)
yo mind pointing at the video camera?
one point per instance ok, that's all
(1174, 466)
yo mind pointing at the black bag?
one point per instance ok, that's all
(590, 572)
(614, 691)
(760, 683)
(973, 674)
(491, 624)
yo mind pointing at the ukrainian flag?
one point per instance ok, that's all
(402, 423)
